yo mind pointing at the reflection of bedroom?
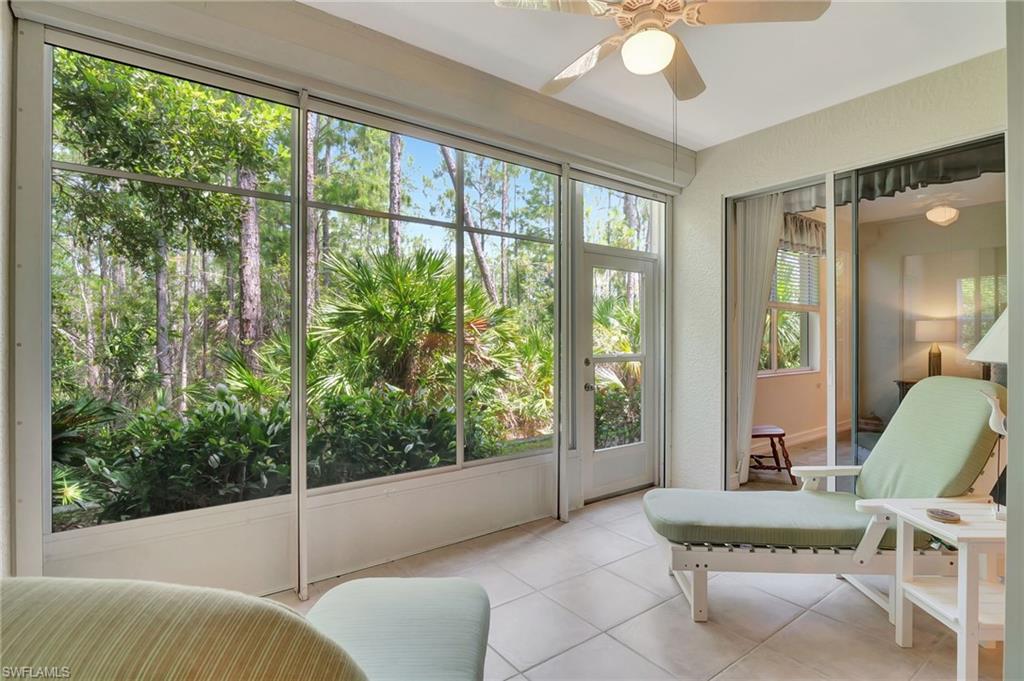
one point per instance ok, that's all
(928, 289)
(923, 283)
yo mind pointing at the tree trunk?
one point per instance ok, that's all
(186, 326)
(633, 226)
(325, 226)
(474, 238)
(395, 195)
(163, 340)
(251, 316)
(104, 314)
(231, 293)
(82, 257)
(205, 284)
(311, 216)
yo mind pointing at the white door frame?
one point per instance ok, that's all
(587, 362)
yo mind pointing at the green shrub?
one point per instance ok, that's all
(218, 452)
(617, 410)
(377, 432)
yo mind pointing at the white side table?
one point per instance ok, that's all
(969, 605)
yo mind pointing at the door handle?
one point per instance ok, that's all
(589, 387)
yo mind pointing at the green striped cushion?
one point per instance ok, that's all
(936, 444)
(118, 629)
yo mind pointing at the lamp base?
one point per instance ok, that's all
(999, 511)
(934, 360)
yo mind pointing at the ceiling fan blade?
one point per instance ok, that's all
(583, 65)
(747, 11)
(597, 8)
(682, 74)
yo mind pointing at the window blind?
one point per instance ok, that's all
(796, 278)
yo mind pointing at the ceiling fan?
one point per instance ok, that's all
(647, 46)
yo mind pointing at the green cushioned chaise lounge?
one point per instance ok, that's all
(363, 630)
(937, 445)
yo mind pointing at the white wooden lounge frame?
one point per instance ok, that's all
(691, 563)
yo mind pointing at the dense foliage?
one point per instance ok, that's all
(171, 306)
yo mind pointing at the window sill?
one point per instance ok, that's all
(787, 372)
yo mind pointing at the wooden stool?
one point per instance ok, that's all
(762, 462)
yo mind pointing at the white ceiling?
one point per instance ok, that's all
(757, 75)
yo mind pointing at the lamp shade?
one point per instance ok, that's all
(935, 330)
(994, 348)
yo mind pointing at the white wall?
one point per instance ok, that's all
(6, 58)
(958, 103)
(890, 295)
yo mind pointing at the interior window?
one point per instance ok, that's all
(793, 314)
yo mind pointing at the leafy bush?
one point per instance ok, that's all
(378, 432)
(218, 452)
(617, 411)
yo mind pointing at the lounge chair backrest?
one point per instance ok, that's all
(119, 629)
(936, 444)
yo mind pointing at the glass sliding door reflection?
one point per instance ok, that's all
(926, 242)
(844, 385)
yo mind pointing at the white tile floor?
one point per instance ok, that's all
(592, 600)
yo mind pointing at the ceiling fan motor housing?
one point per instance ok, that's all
(638, 15)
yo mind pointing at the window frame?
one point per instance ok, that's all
(461, 148)
(302, 105)
(809, 341)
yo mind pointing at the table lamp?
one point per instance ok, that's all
(935, 331)
(994, 349)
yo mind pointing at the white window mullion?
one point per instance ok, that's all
(460, 286)
(300, 224)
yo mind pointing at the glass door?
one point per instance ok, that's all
(616, 387)
(919, 278)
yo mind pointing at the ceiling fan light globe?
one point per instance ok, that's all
(648, 51)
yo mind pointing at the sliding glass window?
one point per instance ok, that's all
(429, 274)
(385, 235)
(508, 308)
(170, 284)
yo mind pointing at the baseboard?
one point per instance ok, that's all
(762, 445)
(819, 433)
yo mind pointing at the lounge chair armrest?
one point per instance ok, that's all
(877, 506)
(814, 475)
(825, 471)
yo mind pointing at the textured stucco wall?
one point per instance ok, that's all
(952, 105)
(6, 57)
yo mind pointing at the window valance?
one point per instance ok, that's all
(803, 234)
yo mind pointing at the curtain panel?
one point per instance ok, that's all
(759, 227)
